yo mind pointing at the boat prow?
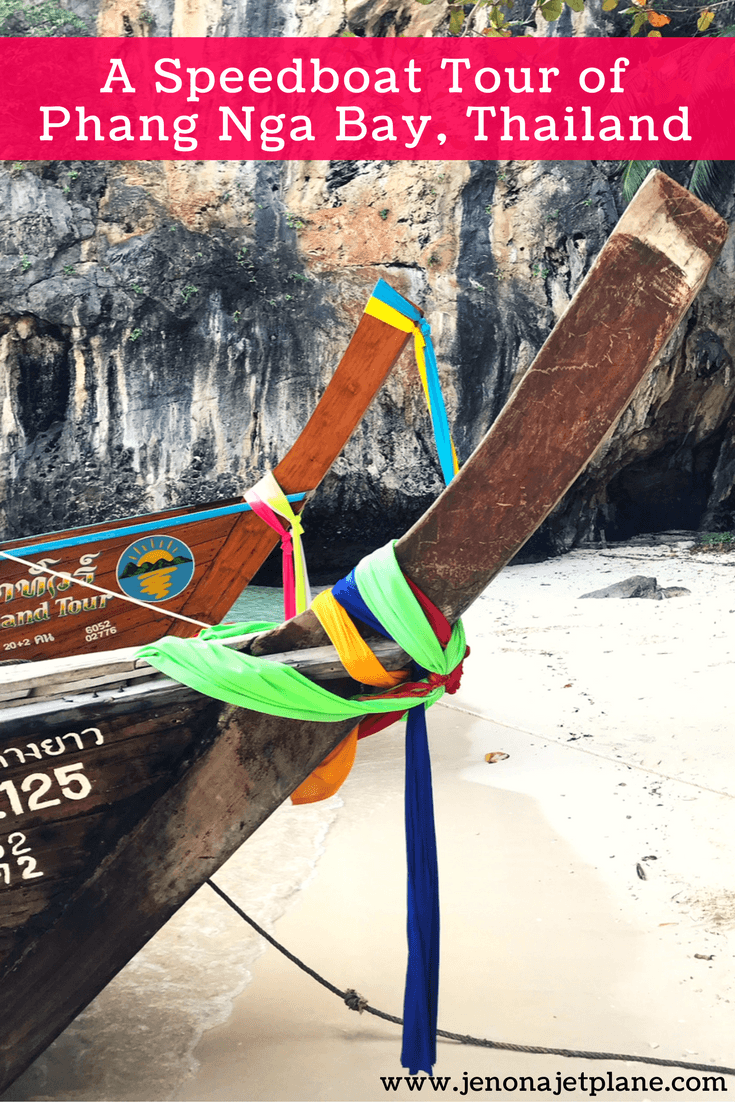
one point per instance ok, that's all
(127, 798)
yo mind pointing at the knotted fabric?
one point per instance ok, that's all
(388, 306)
(394, 606)
(378, 594)
(267, 499)
(362, 665)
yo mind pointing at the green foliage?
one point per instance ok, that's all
(25, 264)
(384, 213)
(634, 175)
(135, 334)
(551, 10)
(716, 539)
(644, 15)
(710, 181)
(639, 18)
(188, 291)
(28, 20)
(456, 18)
(294, 222)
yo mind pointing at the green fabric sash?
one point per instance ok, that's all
(209, 667)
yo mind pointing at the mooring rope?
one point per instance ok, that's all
(358, 1002)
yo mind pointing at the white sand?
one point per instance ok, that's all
(615, 714)
(616, 718)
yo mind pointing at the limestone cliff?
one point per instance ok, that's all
(167, 327)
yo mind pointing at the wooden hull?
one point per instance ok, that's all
(68, 933)
(221, 546)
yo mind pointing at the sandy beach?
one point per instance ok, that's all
(588, 898)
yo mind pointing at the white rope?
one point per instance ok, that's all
(98, 589)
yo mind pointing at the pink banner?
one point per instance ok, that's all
(366, 99)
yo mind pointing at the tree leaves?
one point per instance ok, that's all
(634, 175)
(551, 10)
(639, 19)
(500, 26)
(456, 18)
(658, 19)
(713, 181)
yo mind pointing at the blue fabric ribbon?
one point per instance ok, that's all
(440, 423)
(421, 997)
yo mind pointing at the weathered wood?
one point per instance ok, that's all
(370, 356)
(228, 550)
(66, 676)
(570, 400)
(243, 764)
(614, 330)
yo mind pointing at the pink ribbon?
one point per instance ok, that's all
(267, 514)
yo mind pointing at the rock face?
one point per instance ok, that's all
(639, 586)
(166, 328)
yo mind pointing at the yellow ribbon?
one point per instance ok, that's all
(271, 493)
(361, 664)
(383, 312)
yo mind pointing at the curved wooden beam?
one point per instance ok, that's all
(569, 401)
(238, 765)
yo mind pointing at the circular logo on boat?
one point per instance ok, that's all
(155, 568)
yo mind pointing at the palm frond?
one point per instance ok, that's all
(634, 175)
(713, 182)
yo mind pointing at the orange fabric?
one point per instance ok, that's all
(360, 663)
(329, 775)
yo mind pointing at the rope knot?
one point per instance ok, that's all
(355, 1001)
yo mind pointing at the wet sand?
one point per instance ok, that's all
(616, 719)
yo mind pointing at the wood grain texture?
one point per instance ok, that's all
(570, 400)
(370, 356)
(228, 551)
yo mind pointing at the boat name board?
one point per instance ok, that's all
(41, 585)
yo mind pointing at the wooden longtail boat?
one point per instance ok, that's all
(192, 562)
(106, 789)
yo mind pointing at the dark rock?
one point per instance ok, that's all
(639, 586)
(710, 354)
(165, 329)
